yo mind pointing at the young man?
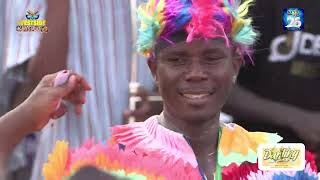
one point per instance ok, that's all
(195, 51)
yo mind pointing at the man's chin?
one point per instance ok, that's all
(198, 117)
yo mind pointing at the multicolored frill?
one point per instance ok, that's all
(147, 150)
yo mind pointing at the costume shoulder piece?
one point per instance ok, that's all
(237, 145)
(137, 151)
(237, 154)
(147, 150)
(250, 171)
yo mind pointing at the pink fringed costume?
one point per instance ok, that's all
(147, 150)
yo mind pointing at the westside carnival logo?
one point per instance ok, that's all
(293, 19)
(30, 15)
(32, 23)
(281, 156)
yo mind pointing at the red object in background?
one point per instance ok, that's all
(234, 171)
(313, 159)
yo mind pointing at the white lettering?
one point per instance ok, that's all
(276, 56)
(303, 43)
(316, 46)
(305, 37)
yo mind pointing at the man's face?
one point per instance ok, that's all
(195, 78)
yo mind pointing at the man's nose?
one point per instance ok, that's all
(196, 72)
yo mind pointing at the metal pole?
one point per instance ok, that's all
(133, 85)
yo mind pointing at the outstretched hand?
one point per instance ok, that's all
(45, 102)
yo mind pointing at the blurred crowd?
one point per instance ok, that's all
(95, 39)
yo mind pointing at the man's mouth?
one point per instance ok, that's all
(195, 96)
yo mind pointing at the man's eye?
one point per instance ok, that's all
(175, 60)
(213, 59)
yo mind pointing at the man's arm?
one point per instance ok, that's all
(246, 105)
(249, 106)
(2, 170)
(51, 55)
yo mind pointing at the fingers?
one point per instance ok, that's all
(77, 96)
(48, 80)
(67, 82)
(63, 109)
(79, 87)
(143, 93)
(59, 112)
(78, 109)
(84, 84)
(65, 85)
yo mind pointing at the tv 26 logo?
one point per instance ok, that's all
(293, 19)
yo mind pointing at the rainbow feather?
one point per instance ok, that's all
(131, 152)
(203, 24)
(246, 35)
(230, 7)
(57, 162)
(242, 30)
(176, 15)
(199, 18)
(152, 23)
(307, 174)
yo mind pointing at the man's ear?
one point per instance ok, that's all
(153, 68)
(237, 62)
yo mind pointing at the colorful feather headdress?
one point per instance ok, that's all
(206, 19)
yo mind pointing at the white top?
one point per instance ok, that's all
(2, 8)
(19, 46)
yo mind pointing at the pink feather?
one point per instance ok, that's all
(149, 136)
(203, 24)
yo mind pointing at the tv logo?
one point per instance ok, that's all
(293, 19)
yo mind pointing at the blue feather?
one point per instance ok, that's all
(246, 36)
(230, 8)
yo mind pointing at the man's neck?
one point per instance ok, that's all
(202, 138)
(203, 133)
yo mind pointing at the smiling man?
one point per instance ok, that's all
(194, 80)
(195, 50)
(196, 77)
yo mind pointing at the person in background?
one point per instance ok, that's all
(14, 83)
(2, 9)
(14, 89)
(282, 89)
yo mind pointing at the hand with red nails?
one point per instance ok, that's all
(45, 102)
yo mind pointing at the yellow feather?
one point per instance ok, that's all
(237, 25)
(244, 8)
